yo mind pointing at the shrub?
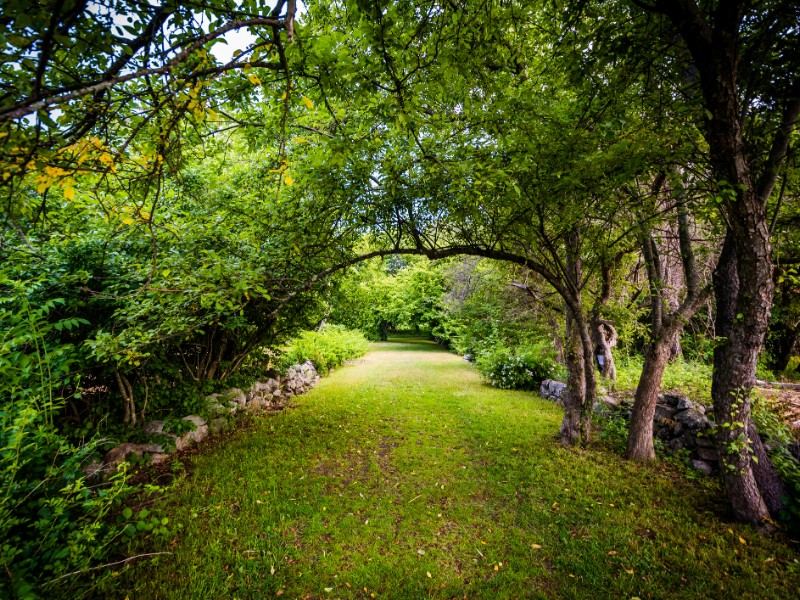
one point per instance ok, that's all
(327, 348)
(522, 368)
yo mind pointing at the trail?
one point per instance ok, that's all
(405, 476)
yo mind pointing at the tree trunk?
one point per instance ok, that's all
(581, 382)
(640, 434)
(767, 478)
(741, 322)
(574, 397)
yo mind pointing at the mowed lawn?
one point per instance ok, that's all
(405, 476)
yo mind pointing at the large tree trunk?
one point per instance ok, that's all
(640, 434)
(742, 317)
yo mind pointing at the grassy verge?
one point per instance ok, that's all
(406, 477)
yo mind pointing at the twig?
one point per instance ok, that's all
(119, 562)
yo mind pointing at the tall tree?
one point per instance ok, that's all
(746, 59)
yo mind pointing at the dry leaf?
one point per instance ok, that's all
(612, 553)
(629, 571)
(428, 573)
(536, 546)
(741, 539)
(279, 593)
(328, 589)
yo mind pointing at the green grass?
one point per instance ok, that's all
(686, 377)
(404, 476)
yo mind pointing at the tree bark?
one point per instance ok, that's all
(640, 434)
(734, 376)
(574, 398)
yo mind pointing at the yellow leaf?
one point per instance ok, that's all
(741, 539)
(612, 553)
(254, 79)
(300, 140)
(6, 175)
(289, 180)
(69, 193)
(283, 96)
(428, 573)
(629, 571)
(308, 103)
(3, 134)
(536, 546)
(127, 221)
(496, 568)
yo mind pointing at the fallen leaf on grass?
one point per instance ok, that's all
(741, 539)
(629, 571)
(279, 593)
(536, 546)
(328, 589)
(428, 573)
(612, 553)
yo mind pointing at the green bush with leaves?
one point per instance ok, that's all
(327, 348)
(523, 368)
(51, 523)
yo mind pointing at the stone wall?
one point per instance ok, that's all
(680, 422)
(220, 412)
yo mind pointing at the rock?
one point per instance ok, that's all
(707, 454)
(256, 404)
(674, 400)
(692, 419)
(234, 398)
(663, 411)
(676, 444)
(705, 442)
(609, 401)
(198, 435)
(469, 358)
(116, 456)
(689, 440)
(217, 425)
(214, 407)
(677, 429)
(153, 428)
(158, 457)
(552, 390)
(684, 403)
(277, 396)
(703, 467)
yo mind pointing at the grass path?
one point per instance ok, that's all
(405, 477)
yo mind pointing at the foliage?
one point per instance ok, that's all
(775, 432)
(523, 368)
(51, 522)
(327, 348)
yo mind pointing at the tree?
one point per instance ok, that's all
(746, 59)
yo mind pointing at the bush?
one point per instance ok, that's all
(774, 430)
(523, 368)
(327, 348)
(51, 524)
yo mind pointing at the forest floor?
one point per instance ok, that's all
(404, 476)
